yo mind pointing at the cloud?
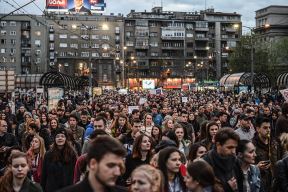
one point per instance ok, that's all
(246, 8)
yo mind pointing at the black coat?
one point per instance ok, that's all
(57, 174)
(281, 175)
(28, 186)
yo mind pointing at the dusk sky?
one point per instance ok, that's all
(246, 8)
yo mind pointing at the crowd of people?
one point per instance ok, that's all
(140, 142)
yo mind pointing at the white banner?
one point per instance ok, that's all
(131, 108)
(54, 95)
(142, 101)
(184, 99)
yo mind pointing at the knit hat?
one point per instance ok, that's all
(60, 131)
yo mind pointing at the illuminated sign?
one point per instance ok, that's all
(148, 84)
(75, 6)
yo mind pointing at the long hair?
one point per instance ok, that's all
(193, 151)
(115, 125)
(66, 154)
(164, 155)
(144, 119)
(153, 175)
(6, 182)
(42, 149)
(136, 152)
(202, 172)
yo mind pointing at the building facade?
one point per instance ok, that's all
(174, 48)
(80, 43)
(23, 41)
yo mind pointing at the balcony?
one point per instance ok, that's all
(201, 38)
(141, 46)
(172, 37)
(231, 30)
(25, 27)
(201, 48)
(172, 47)
(201, 29)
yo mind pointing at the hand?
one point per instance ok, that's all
(233, 183)
(263, 166)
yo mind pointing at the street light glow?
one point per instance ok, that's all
(125, 48)
(105, 26)
(195, 57)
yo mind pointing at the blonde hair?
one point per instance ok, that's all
(153, 175)
(284, 141)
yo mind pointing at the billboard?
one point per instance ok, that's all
(148, 84)
(75, 6)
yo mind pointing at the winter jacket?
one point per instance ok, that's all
(280, 183)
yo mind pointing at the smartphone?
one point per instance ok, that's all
(267, 162)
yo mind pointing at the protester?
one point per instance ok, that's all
(200, 177)
(169, 163)
(146, 179)
(196, 151)
(15, 177)
(58, 163)
(105, 162)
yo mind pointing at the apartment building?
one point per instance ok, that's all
(23, 40)
(174, 48)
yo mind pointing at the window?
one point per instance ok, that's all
(51, 55)
(105, 54)
(63, 36)
(13, 41)
(51, 37)
(3, 23)
(74, 45)
(153, 34)
(95, 54)
(63, 54)
(38, 52)
(105, 46)
(95, 46)
(201, 24)
(106, 37)
(154, 54)
(129, 43)
(3, 32)
(12, 51)
(12, 32)
(85, 45)
(3, 50)
(94, 36)
(84, 54)
(117, 30)
(74, 37)
(3, 41)
(154, 44)
(12, 23)
(51, 46)
(64, 45)
(38, 43)
(4, 59)
(38, 60)
(12, 60)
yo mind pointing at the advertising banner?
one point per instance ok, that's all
(75, 5)
(54, 95)
(148, 84)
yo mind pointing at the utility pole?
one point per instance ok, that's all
(16, 9)
(252, 61)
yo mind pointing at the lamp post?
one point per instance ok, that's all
(123, 67)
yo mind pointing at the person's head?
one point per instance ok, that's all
(22, 109)
(38, 145)
(33, 128)
(60, 112)
(156, 132)
(196, 151)
(226, 142)
(73, 120)
(199, 175)
(18, 162)
(27, 116)
(263, 127)
(148, 119)
(184, 116)
(212, 129)
(122, 119)
(169, 162)
(53, 124)
(179, 132)
(3, 126)
(170, 135)
(246, 151)
(99, 123)
(135, 114)
(245, 121)
(60, 137)
(84, 116)
(78, 4)
(44, 117)
(266, 111)
(105, 160)
(136, 126)
(284, 109)
(146, 178)
(284, 141)
(142, 143)
(223, 117)
(169, 124)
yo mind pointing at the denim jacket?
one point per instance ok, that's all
(254, 178)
